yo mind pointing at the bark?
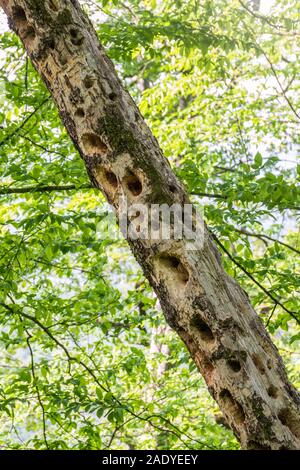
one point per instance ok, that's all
(209, 311)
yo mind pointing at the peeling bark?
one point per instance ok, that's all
(209, 311)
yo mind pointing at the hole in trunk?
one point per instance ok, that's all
(26, 31)
(29, 36)
(231, 407)
(234, 365)
(80, 113)
(19, 15)
(51, 43)
(203, 329)
(173, 272)
(258, 363)
(88, 82)
(290, 420)
(93, 145)
(111, 179)
(133, 184)
(272, 391)
(172, 188)
(76, 37)
(112, 96)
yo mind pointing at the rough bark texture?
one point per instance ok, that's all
(210, 312)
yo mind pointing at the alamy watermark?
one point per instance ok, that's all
(153, 222)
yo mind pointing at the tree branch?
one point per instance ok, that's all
(42, 189)
(17, 130)
(264, 18)
(265, 237)
(266, 291)
(37, 389)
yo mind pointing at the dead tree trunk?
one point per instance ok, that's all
(209, 311)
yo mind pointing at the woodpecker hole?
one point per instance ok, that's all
(259, 364)
(133, 184)
(29, 36)
(93, 145)
(231, 406)
(272, 391)
(19, 15)
(176, 270)
(88, 82)
(76, 37)
(290, 420)
(51, 43)
(203, 329)
(80, 113)
(234, 365)
(111, 179)
(112, 96)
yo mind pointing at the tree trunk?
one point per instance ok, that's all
(209, 311)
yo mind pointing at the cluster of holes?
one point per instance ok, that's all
(272, 390)
(231, 406)
(93, 145)
(203, 329)
(76, 37)
(133, 184)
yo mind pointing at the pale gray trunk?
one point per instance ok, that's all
(208, 309)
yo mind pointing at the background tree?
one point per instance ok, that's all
(213, 89)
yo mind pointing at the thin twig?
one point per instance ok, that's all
(42, 189)
(34, 378)
(266, 291)
(267, 237)
(17, 130)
